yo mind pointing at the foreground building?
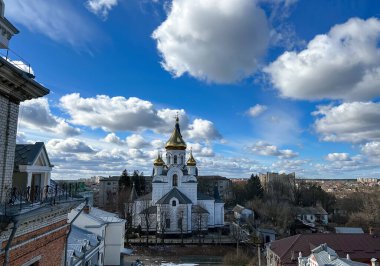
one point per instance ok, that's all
(33, 216)
(323, 255)
(175, 206)
(107, 227)
(360, 247)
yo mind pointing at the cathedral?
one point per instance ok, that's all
(175, 206)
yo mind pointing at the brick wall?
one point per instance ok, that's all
(46, 245)
(8, 130)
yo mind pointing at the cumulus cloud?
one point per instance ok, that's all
(372, 151)
(21, 65)
(200, 150)
(136, 141)
(101, 8)
(132, 114)
(342, 64)
(70, 145)
(113, 138)
(338, 157)
(266, 149)
(36, 114)
(349, 122)
(111, 114)
(202, 129)
(256, 110)
(286, 166)
(191, 40)
(59, 20)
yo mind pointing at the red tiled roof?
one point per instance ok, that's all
(361, 247)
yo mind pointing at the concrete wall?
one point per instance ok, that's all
(8, 130)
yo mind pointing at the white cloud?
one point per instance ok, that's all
(111, 114)
(216, 40)
(200, 150)
(256, 110)
(133, 114)
(21, 65)
(101, 8)
(112, 138)
(136, 141)
(266, 149)
(286, 166)
(336, 156)
(36, 114)
(70, 145)
(372, 151)
(202, 129)
(57, 19)
(342, 64)
(350, 122)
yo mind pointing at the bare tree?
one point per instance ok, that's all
(180, 225)
(163, 224)
(147, 215)
(237, 234)
(199, 219)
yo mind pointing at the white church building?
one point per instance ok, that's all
(175, 206)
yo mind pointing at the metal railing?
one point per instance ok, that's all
(23, 199)
(16, 60)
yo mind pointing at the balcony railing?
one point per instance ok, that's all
(16, 60)
(19, 200)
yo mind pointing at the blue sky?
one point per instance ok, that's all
(284, 86)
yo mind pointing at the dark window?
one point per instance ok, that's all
(167, 222)
(175, 180)
(174, 203)
(175, 159)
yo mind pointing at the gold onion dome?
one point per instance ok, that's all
(176, 141)
(159, 161)
(191, 161)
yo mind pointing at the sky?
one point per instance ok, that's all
(258, 85)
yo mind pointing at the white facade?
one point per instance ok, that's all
(174, 206)
(108, 226)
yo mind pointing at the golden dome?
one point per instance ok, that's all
(175, 141)
(191, 161)
(159, 161)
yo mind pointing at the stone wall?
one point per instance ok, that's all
(8, 130)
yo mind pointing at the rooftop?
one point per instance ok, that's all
(358, 246)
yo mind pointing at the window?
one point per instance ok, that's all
(167, 223)
(175, 159)
(175, 180)
(174, 203)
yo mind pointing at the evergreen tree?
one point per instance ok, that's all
(125, 180)
(254, 188)
(136, 180)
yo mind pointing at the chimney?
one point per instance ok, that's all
(86, 209)
(374, 262)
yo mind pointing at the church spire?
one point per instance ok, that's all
(191, 161)
(176, 141)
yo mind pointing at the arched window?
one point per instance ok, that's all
(174, 203)
(169, 159)
(175, 180)
(175, 159)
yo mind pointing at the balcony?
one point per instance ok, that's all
(20, 201)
